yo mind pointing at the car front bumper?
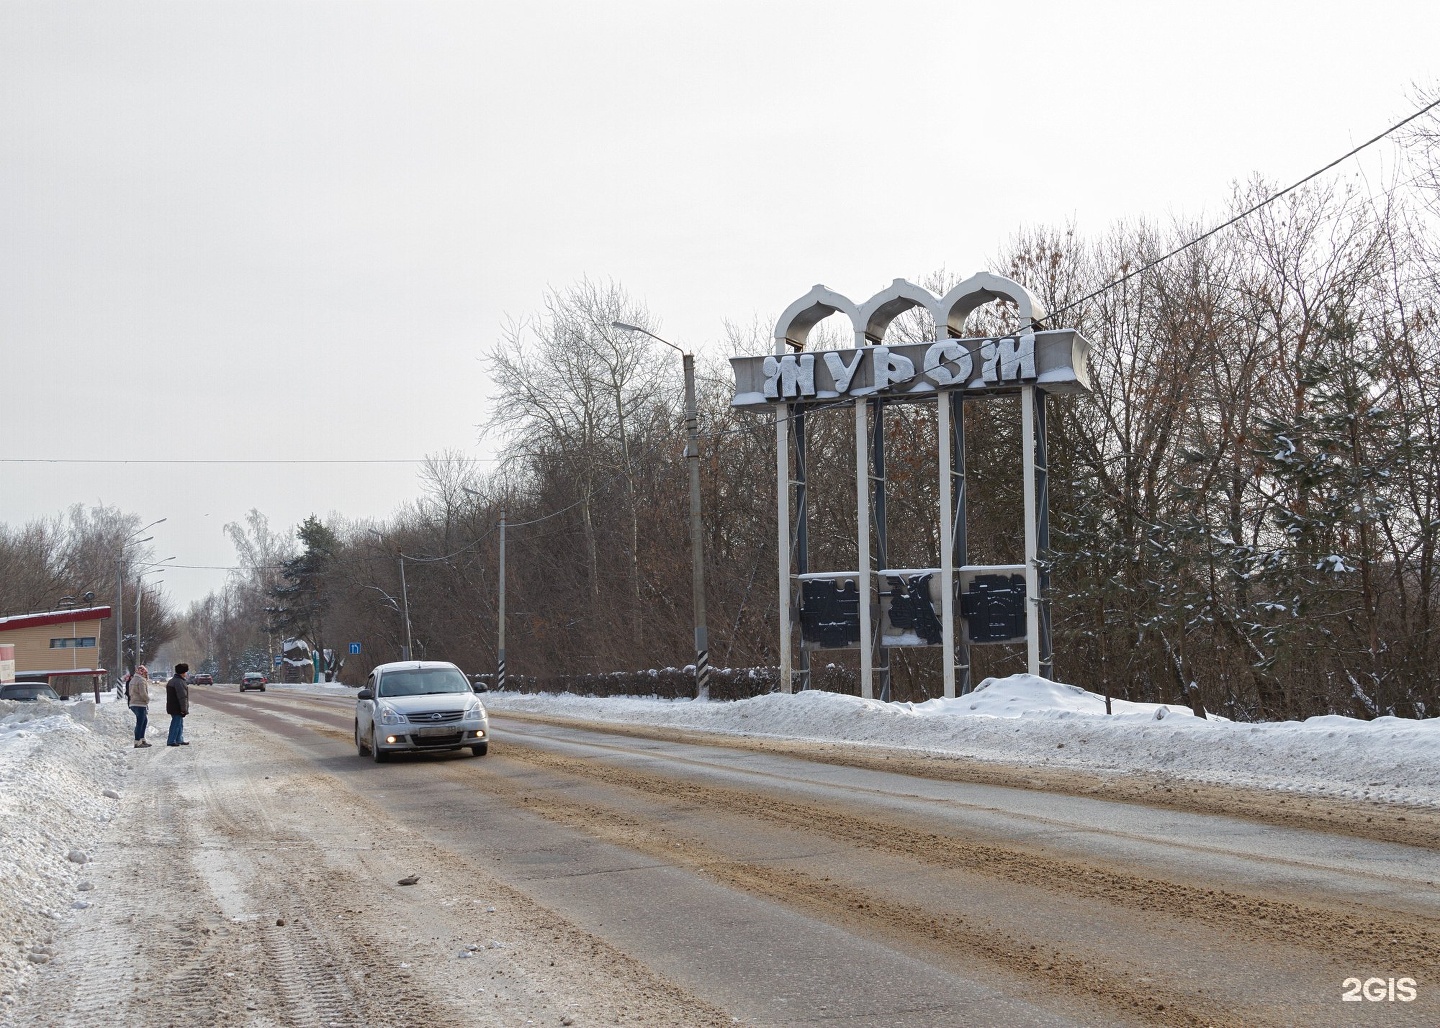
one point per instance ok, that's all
(408, 738)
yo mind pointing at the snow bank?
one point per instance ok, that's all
(56, 761)
(314, 688)
(1031, 721)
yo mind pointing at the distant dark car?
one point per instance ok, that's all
(252, 680)
(28, 691)
(202, 679)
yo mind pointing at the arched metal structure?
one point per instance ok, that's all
(950, 370)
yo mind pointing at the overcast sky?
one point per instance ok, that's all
(283, 231)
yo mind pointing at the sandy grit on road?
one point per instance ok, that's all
(237, 885)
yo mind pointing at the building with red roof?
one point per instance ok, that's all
(61, 647)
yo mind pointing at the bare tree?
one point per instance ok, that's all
(571, 389)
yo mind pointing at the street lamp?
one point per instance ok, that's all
(697, 547)
(155, 569)
(270, 657)
(500, 647)
(404, 596)
(120, 595)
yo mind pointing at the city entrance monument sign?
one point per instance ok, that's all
(877, 607)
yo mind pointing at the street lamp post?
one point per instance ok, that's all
(139, 591)
(697, 545)
(500, 611)
(270, 664)
(404, 599)
(120, 597)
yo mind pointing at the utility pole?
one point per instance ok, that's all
(500, 662)
(405, 599)
(119, 615)
(697, 543)
(697, 546)
(408, 653)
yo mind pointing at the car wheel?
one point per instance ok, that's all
(242, 688)
(359, 746)
(375, 752)
(480, 750)
(262, 688)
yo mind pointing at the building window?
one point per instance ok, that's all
(81, 643)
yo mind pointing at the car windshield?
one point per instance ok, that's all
(422, 681)
(28, 692)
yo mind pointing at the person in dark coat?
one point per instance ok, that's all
(177, 705)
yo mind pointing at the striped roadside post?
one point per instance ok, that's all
(500, 654)
(697, 539)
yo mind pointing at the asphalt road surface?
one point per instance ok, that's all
(579, 876)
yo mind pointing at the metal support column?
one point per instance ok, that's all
(862, 535)
(801, 557)
(1042, 537)
(1032, 535)
(959, 536)
(785, 541)
(882, 535)
(947, 551)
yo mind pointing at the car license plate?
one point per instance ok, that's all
(438, 730)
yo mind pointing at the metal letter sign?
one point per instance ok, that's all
(354, 649)
(917, 606)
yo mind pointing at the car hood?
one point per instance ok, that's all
(428, 701)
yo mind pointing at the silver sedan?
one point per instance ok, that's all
(419, 706)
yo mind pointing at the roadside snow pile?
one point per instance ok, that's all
(56, 763)
(1031, 721)
(1028, 696)
(314, 688)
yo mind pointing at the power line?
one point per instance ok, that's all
(815, 409)
(1242, 215)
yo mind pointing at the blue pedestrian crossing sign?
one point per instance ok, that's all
(354, 649)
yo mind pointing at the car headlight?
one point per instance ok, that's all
(389, 716)
(475, 712)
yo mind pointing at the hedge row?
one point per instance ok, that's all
(678, 683)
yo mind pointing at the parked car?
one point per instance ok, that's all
(252, 680)
(419, 706)
(201, 679)
(28, 691)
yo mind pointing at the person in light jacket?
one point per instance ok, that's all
(137, 695)
(177, 705)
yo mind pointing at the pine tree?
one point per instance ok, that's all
(303, 597)
(1330, 469)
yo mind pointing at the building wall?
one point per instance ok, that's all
(33, 651)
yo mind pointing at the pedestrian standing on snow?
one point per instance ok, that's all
(137, 695)
(177, 705)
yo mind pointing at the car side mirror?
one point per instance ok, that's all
(479, 687)
(364, 694)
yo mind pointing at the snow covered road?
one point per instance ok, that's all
(653, 875)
